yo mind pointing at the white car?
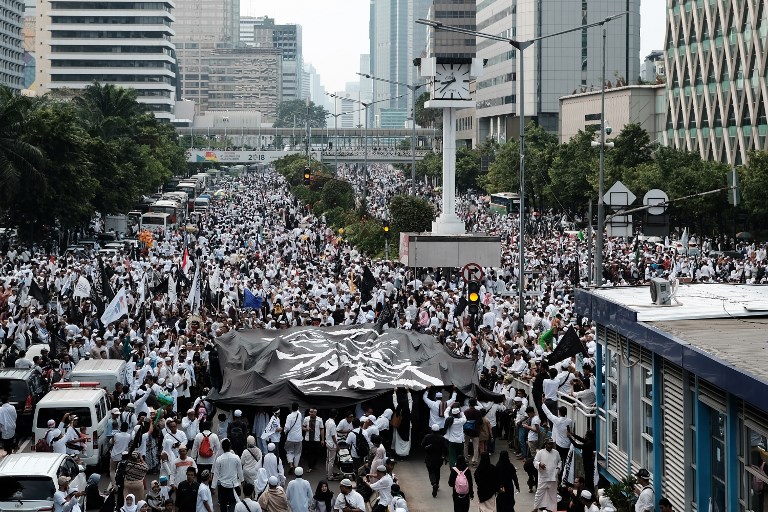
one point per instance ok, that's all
(29, 480)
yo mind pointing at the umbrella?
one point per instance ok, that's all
(744, 235)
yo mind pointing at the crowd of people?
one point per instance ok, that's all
(190, 286)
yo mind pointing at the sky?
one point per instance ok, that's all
(335, 32)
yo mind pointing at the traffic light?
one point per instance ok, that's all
(385, 228)
(473, 297)
(307, 176)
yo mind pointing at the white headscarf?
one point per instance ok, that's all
(261, 481)
(130, 508)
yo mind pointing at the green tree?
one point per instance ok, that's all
(338, 193)
(428, 117)
(540, 151)
(504, 172)
(18, 158)
(632, 147)
(109, 109)
(64, 190)
(409, 213)
(289, 110)
(467, 168)
(573, 162)
(753, 180)
(431, 165)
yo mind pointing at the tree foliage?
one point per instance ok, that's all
(61, 161)
(428, 117)
(409, 213)
(754, 178)
(289, 110)
(337, 193)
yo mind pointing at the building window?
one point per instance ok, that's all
(754, 446)
(646, 434)
(717, 458)
(612, 396)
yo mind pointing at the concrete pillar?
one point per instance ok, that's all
(448, 223)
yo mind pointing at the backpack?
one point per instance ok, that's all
(361, 444)
(470, 428)
(42, 445)
(205, 450)
(461, 485)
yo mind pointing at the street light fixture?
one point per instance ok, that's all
(365, 105)
(521, 46)
(335, 130)
(413, 88)
(225, 122)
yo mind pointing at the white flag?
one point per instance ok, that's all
(194, 293)
(117, 308)
(82, 288)
(171, 290)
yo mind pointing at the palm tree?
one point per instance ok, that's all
(109, 107)
(16, 156)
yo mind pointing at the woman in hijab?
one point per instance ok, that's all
(142, 506)
(154, 497)
(461, 500)
(506, 475)
(130, 504)
(401, 437)
(380, 454)
(93, 498)
(322, 498)
(135, 473)
(251, 460)
(262, 479)
(487, 484)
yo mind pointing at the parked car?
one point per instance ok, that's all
(28, 481)
(24, 388)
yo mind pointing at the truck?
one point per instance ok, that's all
(116, 223)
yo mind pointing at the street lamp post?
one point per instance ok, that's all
(365, 107)
(225, 122)
(413, 88)
(521, 46)
(335, 130)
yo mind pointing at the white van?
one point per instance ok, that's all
(107, 372)
(89, 403)
(28, 481)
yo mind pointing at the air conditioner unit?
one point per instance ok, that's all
(661, 292)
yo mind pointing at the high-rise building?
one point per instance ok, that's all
(715, 58)
(311, 86)
(452, 45)
(259, 31)
(395, 40)
(202, 26)
(83, 42)
(244, 79)
(652, 68)
(11, 49)
(555, 66)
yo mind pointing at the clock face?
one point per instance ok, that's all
(451, 82)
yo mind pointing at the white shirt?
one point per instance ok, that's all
(313, 436)
(353, 499)
(330, 433)
(646, 502)
(252, 506)
(204, 496)
(532, 434)
(293, 427)
(213, 440)
(551, 459)
(455, 433)
(384, 486)
(8, 421)
(560, 425)
(228, 470)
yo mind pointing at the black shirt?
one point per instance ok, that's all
(186, 495)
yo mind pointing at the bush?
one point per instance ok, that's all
(338, 194)
(410, 214)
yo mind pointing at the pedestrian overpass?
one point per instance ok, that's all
(254, 145)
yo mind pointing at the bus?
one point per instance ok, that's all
(156, 222)
(505, 202)
(171, 207)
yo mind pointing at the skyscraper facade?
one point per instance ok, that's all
(715, 59)
(395, 40)
(554, 66)
(244, 79)
(11, 50)
(83, 42)
(259, 31)
(201, 27)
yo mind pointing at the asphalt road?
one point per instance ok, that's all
(413, 480)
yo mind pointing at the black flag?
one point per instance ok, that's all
(366, 287)
(36, 292)
(106, 288)
(162, 287)
(569, 345)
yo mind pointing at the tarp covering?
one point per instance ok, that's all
(336, 366)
